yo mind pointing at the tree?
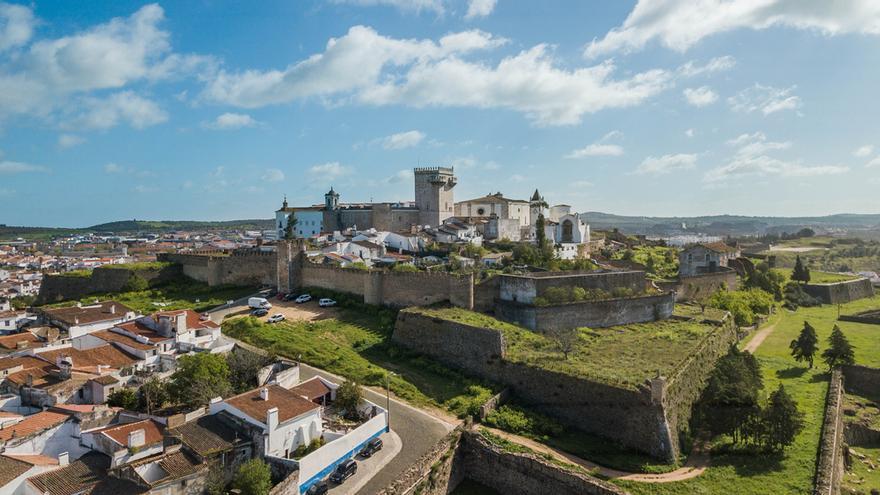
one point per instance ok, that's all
(806, 345)
(768, 280)
(800, 273)
(565, 339)
(125, 398)
(730, 401)
(290, 229)
(348, 397)
(540, 234)
(840, 350)
(135, 283)
(199, 378)
(253, 478)
(243, 368)
(782, 420)
(152, 395)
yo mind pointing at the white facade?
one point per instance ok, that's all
(309, 223)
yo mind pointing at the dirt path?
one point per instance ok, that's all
(759, 337)
(695, 465)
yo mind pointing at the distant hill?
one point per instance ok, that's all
(168, 225)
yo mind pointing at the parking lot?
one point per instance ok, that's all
(292, 311)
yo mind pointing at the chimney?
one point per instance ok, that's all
(113, 309)
(101, 368)
(63, 459)
(76, 320)
(272, 419)
(264, 393)
(137, 438)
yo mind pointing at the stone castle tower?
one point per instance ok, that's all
(434, 197)
(536, 207)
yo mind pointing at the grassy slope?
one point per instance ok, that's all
(791, 473)
(186, 294)
(861, 478)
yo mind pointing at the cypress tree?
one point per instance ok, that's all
(782, 421)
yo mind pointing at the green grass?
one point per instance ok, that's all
(662, 269)
(358, 346)
(861, 478)
(791, 472)
(460, 315)
(516, 448)
(140, 266)
(77, 273)
(606, 453)
(817, 277)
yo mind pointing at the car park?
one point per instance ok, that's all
(373, 446)
(260, 312)
(344, 471)
(303, 299)
(290, 297)
(326, 302)
(275, 318)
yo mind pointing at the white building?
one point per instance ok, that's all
(80, 320)
(705, 258)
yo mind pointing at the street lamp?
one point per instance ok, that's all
(388, 401)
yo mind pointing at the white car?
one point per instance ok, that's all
(325, 302)
(303, 299)
(275, 318)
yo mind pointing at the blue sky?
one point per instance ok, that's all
(215, 110)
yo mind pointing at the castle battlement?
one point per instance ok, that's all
(434, 170)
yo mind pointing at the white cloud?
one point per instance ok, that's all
(402, 140)
(700, 97)
(679, 24)
(128, 107)
(765, 99)
(667, 164)
(363, 66)
(69, 140)
(579, 184)
(416, 6)
(717, 64)
(479, 8)
(599, 148)
(329, 170)
(863, 151)
(273, 175)
(113, 168)
(9, 168)
(690, 133)
(404, 175)
(228, 121)
(144, 189)
(874, 163)
(751, 159)
(16, 25)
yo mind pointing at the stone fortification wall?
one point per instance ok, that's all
(524, 288)
(56, 288)
(631, 417)
(699, 286)
(437, 472)
(841, 292)
(829, 468)
(594, 314)
(862, 380)
(485, 294)
(238, 268)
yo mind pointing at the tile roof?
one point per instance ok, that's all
(33, 424)
(138, 328)
(289, 404)
(93, 313)
(40, 377)
(89, 359)
(153, 432)
(193, 319)
(206, 435)
(11, 341)
(311, 389)
(34, 459)
(24, 361)
(85, 476)
(176, 465)
(11, 468)
(114, 337)
(105, 380)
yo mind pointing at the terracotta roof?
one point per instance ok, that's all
(34, 459)
(40, 377)
(119, 433)
(11, 341)
(12, 314)
(105, 380)
(137, 328)
(93, 313)
(86, 476)
(193, 319)
(289, 404)
(11, 468)
(108, 336)
(33, 424)
(177, 465)
(718, 247)
(24, 361)
(311, 389)
(206, 435)
(89, 359)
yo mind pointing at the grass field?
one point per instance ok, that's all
(357, 346)
(792, 472)
(185, 294)
(862, 477)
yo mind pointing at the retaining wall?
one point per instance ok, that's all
(829, 468)
(700, 286)
(841, 292)
(862, 380)
(249, 268)
(524, 288)
(55, 288)
(435, 473)
(593, 314)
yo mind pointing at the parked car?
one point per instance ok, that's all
(281, 296)
(259, 302)
(325, 302)
(373, 446)
(303, 299)
(344, 471)
(319, 488)
(290, 297)
(275, 318)
(260, 312)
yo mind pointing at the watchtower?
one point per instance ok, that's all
(434, 197)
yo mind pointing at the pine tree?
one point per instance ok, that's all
(290, 230)
(782, 421)
(800, 273)
(840, 352)
(806, 345)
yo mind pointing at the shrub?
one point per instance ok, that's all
(526, 423)
(404, 268)
(135, 283)
(468, 405)
(743, 304)
(253, 478)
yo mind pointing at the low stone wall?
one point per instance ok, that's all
(871, 317)
(841, 292)
(493, 403)
(55, 288)
(525, 288)
(829, 468)
(524, 474)
(862, 380)
(435, 473)
(698, 286)
(593, 314)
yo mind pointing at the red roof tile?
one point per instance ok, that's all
(311, 389)
(289, 404)
(89, 359)
(119, 433)
(33, 424)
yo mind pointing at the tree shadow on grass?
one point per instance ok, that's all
(789, 373)
(821, 377)
(747, 462)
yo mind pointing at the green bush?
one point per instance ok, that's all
(135, 283)
(743, 304)
(404, 268)
(469, 405)
(526, 423)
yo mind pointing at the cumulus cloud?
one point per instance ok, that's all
(435, 6)
(479, 8)
(765, 99)
(229, 121)
(16, 25)
(9, 168)
(273, 175)
(667, 164)
(751, 158)
(680, 24)
(874, 163)
(863, 151)
(402, 140)
(717, 64)
(115, 168)
(700, 97)
(124, 107)
(365, 67)
(329, 170)
(69, 140)
(690, 133)
(599, 148)
(404, 175)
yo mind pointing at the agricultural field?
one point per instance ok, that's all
(829, 254)
(791, 472)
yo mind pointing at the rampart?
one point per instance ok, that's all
(648, 418)
(219, 268)
(700, 286)
(525, 288)
(841, 292)
(55, 288)
(594, 314)
(829, 468)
